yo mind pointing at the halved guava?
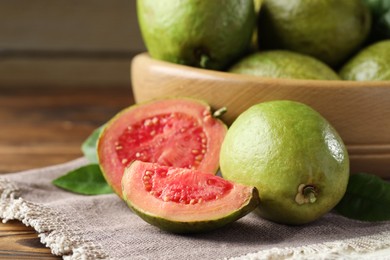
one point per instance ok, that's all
(178, 132)
(183, 200)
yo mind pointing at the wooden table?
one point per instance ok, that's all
(46, 126)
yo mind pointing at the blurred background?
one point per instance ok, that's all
(64, 71)
(86, 43)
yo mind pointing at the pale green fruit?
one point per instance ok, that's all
(284, 64)
(292, 155)
(329, 30)
(207, 34)
(370, 64)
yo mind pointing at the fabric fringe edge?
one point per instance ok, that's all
(51, 228)
(365, 247)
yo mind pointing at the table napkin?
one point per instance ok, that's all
(103, 227)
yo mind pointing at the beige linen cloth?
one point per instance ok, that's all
(103, 227)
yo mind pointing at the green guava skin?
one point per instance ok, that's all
(370, 64)
(284, 64)
(216, 213)
(177, 227)
(329, 30)
(280, 146)
(206, 34)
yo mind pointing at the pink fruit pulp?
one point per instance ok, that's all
(171, 132)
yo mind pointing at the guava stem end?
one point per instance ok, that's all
(306, 194)
(218, 113)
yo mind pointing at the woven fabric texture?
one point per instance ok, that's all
(103, 227)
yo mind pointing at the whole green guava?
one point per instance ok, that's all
(370, 64)
(206, 34)
(284, 64)
(329, 30)
(294, 157)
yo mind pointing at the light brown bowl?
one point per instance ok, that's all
(360, 111)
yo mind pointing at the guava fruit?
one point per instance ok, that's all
(183, 200)
(329, 30)
(284, 64)
(206, 34)
(178, 132)
(294, 157)
(370, 64)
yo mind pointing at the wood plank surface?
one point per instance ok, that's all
(86, 71)
(45, 25)
(46, 126)
(67, 42)
(20, 242)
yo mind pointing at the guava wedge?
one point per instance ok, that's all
(183, 200)
(178, 132)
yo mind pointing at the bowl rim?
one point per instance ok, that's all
(145, 57)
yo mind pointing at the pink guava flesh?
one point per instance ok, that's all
(178, 132)
(183, 186)
(172, 139)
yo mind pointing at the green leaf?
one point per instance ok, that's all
(367, 198)
(383, 25)
(380, 10)
(89, 145)
(378, 7)
(87, 180)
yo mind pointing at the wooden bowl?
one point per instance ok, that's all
(360, 111)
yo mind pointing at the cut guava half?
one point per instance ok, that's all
(183, 200)
(178, 132)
